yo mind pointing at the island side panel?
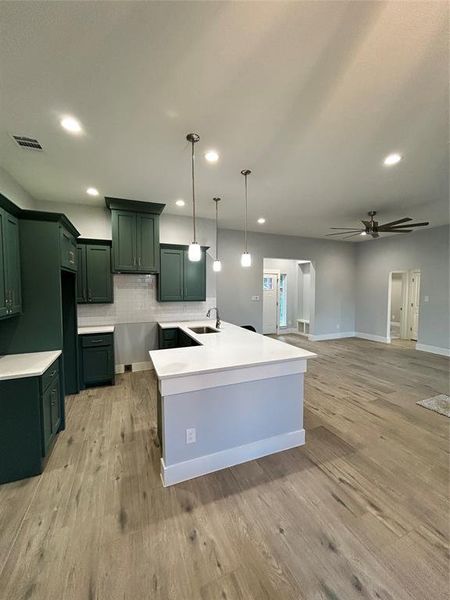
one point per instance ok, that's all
(233, 423)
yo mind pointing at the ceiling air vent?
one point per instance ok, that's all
(26, 142)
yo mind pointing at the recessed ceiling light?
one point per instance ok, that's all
(212, 156)
(180, 202)
(392, 159)
(92, 191)
(71, 124)
(261, 220)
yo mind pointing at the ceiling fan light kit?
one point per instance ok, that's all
(373, 229)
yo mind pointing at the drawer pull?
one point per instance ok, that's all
(96, 341)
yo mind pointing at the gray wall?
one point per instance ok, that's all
(334, 264)
(14, 192)
(427, 250)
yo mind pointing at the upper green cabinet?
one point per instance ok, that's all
(68, 249)
(181, 280)
(10, 289)
(94, 277)
(135, 235)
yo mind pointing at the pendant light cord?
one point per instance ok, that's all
(193, 190)
(246, 210)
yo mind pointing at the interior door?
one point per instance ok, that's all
(414, 295)
(270, 303)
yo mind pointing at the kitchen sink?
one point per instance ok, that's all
(203, 329)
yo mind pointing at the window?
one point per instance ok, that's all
(283, 300)
(268, 284)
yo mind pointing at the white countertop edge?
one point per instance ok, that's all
(185, 327)
(29, 364)
(88, 329)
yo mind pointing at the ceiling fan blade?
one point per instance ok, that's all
(396, 222)
(347, 228)
(395, 230)
(341, 233)
(353, 235)
(424, 224)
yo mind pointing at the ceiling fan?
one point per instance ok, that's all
(373, 228)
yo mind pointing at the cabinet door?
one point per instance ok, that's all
(147, 243)
(97, 365)
(170, 286)
(12, 255)
(46, 419)
(55, 407)
(68, 251)
(81, 274)
(98, 273)
(124, 241)
(3, 286)
(194, 278)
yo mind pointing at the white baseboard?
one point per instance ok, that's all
(227, 458)
(433, 349)
(286, 330)
(138, 366)
(372, 337)
(331, 336)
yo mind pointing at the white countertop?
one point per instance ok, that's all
(96, 329)
(231, 347)
(31, 364)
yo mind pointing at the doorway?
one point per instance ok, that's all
(288, 296)
(403, 305)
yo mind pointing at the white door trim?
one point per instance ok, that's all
(277, 273)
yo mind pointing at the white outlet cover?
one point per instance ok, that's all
(426, 299)
(191, 436)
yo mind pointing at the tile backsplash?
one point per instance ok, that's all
(135, 301)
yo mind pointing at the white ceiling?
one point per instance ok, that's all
(309, 95)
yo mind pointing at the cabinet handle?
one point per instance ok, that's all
(96, 341)
(90, 295)
(71, 257)
(139, 261)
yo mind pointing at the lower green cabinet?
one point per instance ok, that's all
(31, 415)
(174, 337)
(181, 280)
(94, 277)
(96, 359)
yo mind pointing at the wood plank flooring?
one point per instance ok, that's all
(360, 512)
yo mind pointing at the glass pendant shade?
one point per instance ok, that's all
(194, 252)
(217, 266)
(246, 259)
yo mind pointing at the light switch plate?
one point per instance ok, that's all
(191, 436)
(255, 298)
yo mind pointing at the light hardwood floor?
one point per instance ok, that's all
(360, 512)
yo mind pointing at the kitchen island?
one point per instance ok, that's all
(232, 396)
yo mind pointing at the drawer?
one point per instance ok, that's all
(50, 375)
(169, 334)
(91, 341)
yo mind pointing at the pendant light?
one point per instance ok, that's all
(246, 257)
(217, 265)
(194, 252)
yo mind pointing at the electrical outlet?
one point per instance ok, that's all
(426, 299)
(338, 326)
(191, 436)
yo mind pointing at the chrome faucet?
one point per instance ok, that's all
(208, 314)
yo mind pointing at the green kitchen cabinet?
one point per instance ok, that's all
(68, 249)
(94, 277)
(96, 359)
(174, 337)
(135, 235)
(171, 276)
(31, 415)
(181, 280)
(10, 286)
